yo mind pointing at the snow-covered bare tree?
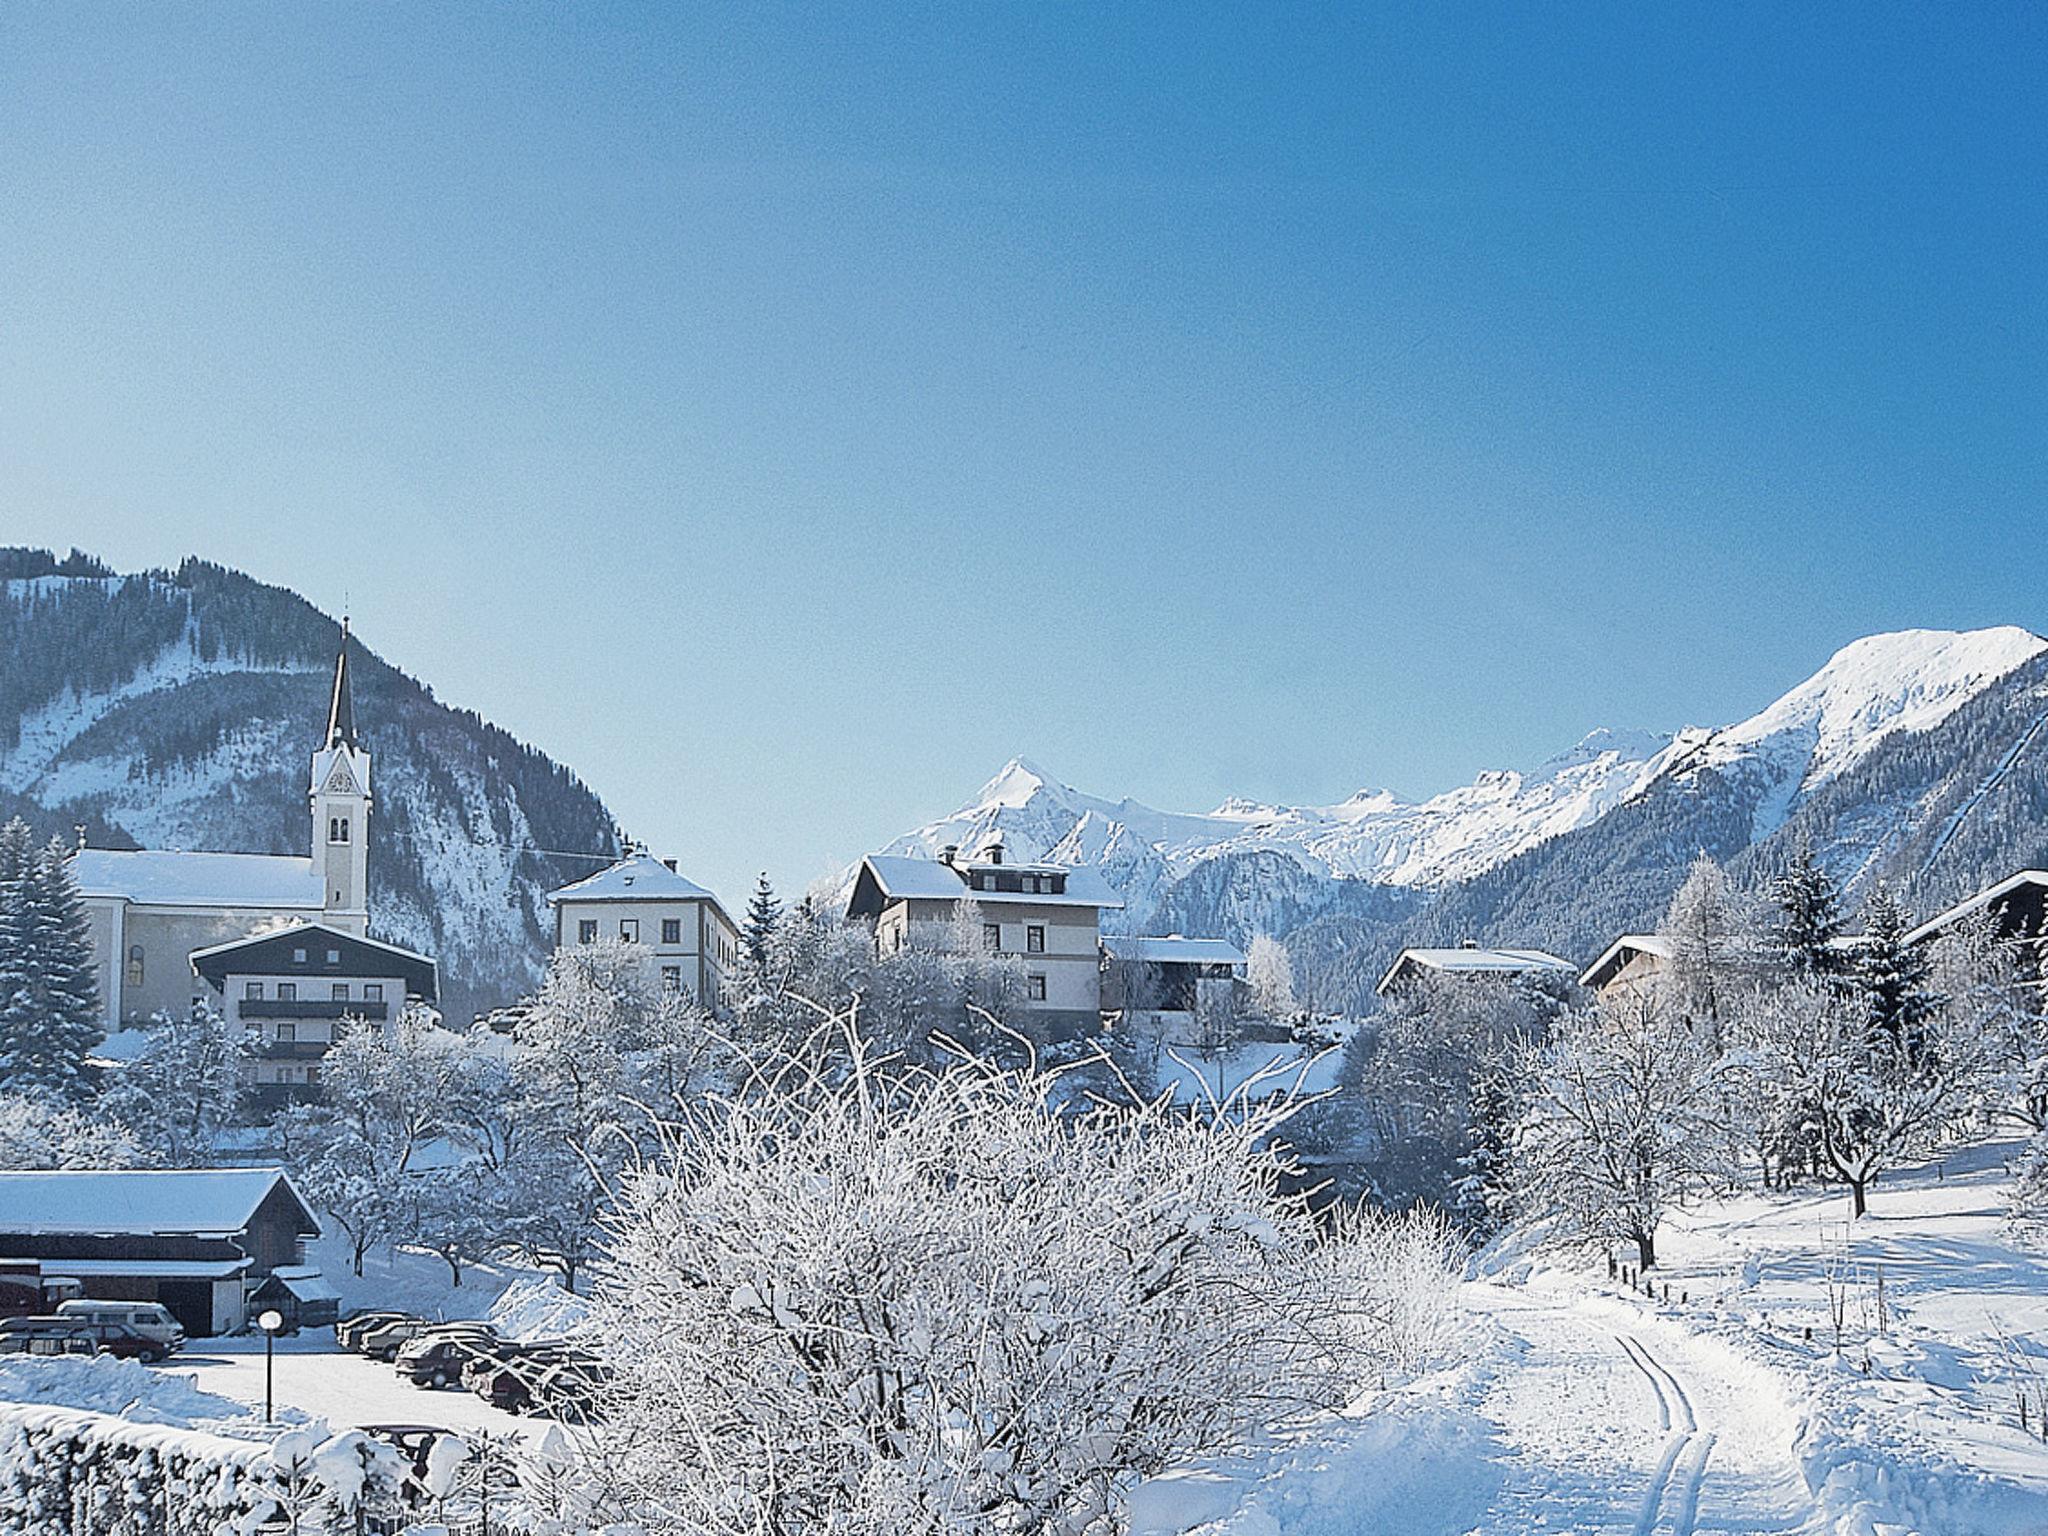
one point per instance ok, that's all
(184, 1086)
(1999, 985)
(1865, 1096)
(1269, 971)
(1624, 1119)
(917, 1299)
(37, 1131)
(1716, 949)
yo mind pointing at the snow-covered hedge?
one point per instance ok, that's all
(67, 1472)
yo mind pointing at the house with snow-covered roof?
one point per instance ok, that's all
(2016, 907)
(198, 1240)
(147, 910)
(1169, 982)
(1468, 960)
(643, 900)
(1627, 967)
(296, 989)
(1048, 915)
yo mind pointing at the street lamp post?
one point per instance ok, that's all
(269, 1321)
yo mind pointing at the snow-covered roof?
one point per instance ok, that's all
(151, 1269)
(1172, 950)
(636, 877)
(1619, 953)
(901, 878)
(1978, 903)
(161, 877)
(306, 1283)
(137, 1202)
(1469, 959)
(295, 930)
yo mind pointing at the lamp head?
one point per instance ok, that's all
(270, 1321)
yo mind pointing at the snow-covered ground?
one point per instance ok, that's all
(1587, 1408)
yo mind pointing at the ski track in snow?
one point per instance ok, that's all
(1991, 782)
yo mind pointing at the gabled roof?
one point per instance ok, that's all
(360, 957)
(160, 877)
(1620, 952)
(1990, 896)
(895, 877)
(1172, 950)
(1470, 960)
(636, 877)
(147, 1202)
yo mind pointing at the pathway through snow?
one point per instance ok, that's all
(1612, 1425)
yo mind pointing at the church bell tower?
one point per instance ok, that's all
(341, 809)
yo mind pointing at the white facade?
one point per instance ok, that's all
(642, 900)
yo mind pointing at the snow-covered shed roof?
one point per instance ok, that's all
(1173, 949)
(142, 1202)
(2029, 881)
(1471, 960)
(636, 877)
(1620, 953)
(162, 877)
(897, 877)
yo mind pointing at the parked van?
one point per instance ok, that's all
(151, 1319)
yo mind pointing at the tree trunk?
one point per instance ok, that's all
(1857, 1203)
(1646, 1249)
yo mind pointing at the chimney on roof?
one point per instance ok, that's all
(1469, 944)
(669, 865)
(992, 850)
(949, 853)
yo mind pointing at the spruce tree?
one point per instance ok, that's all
(1894, 976)
(764, 914)
(1809, 918)
(49, 995)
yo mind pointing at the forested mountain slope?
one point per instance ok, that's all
(179, 709)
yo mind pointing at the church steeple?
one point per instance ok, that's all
(341, 710)
(341, 807)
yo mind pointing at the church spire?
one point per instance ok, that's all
(341, 712)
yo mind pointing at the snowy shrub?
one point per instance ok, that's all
(869, 1296)
(39, 1132)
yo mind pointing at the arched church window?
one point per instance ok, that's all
(134, 965)
(337, 829)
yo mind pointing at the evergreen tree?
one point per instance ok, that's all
(1894, 975)
(1809, 918)
(49, 997)
(764, 915)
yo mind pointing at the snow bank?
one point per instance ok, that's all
(125, 1389)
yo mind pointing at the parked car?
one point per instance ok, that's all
(436, 1358)
(152, 1319)
(505, 1376)
(121, 1339)
(415, 1442)
(69, 1340)
(350, 1329)
(570, 1388)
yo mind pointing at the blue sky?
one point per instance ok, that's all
(785, 415)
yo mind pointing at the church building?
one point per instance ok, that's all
(148, 911)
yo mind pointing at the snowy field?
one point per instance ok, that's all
(1586, 1408)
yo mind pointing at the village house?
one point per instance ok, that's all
(295, 989)
(1629, 967)
(2016, 907)
(1469, 960)
(643, 900)
(1169, 983)
(147, 911)
(198, 1240)
(1047, 915)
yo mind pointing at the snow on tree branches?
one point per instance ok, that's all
(870, 1296)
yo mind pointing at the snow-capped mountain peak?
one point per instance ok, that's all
(1909, 680)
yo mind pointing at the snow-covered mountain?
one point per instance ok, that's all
(1870, 692)
(178, 710)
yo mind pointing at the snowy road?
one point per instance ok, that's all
(1611, 1427)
